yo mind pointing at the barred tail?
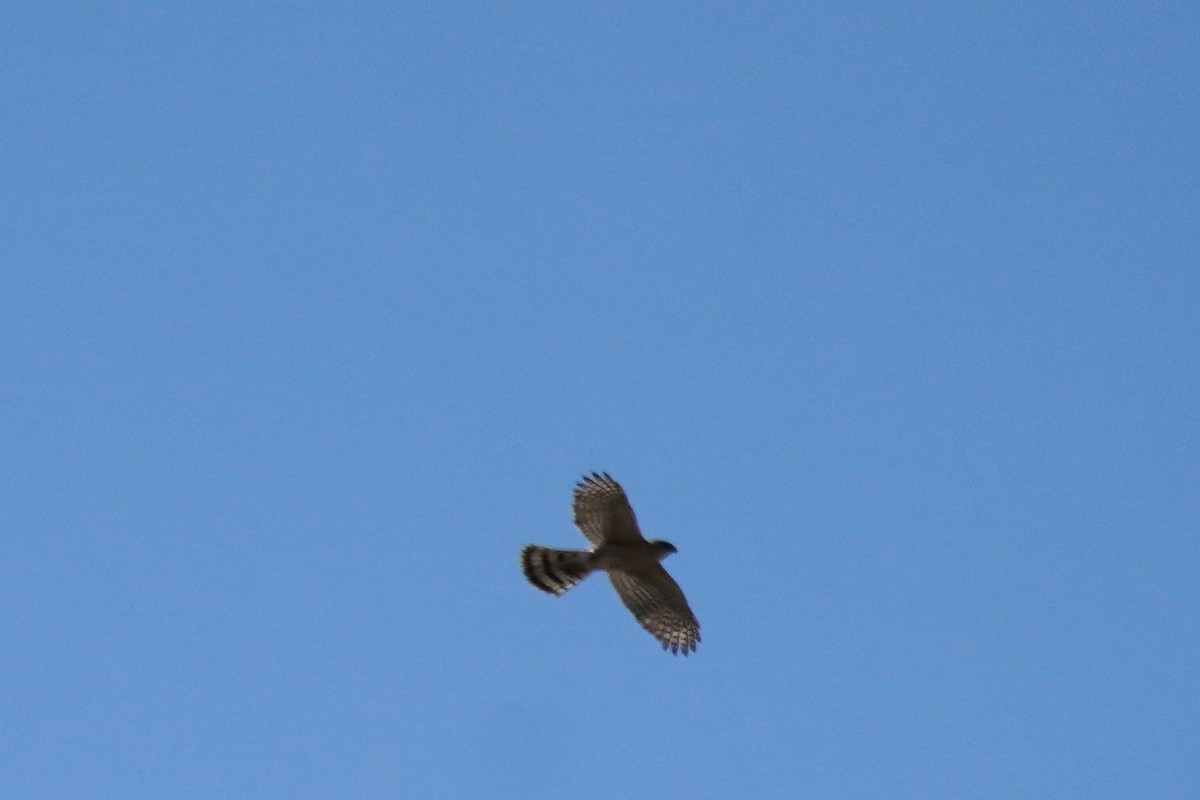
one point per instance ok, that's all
(555, 571)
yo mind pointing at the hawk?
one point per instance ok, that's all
(603, 514)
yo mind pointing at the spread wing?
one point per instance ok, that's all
(602, 511)
(659, 605)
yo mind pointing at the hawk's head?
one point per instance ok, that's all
(663, 549)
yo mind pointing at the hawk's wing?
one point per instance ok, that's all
(602, 511)
(659, 605)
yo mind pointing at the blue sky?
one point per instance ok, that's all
(887, 317)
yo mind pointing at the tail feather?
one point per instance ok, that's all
(555, 571)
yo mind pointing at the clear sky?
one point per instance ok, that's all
(887, 315)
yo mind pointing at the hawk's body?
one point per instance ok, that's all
(603, 514)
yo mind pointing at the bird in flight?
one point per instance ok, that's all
(603, 514)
